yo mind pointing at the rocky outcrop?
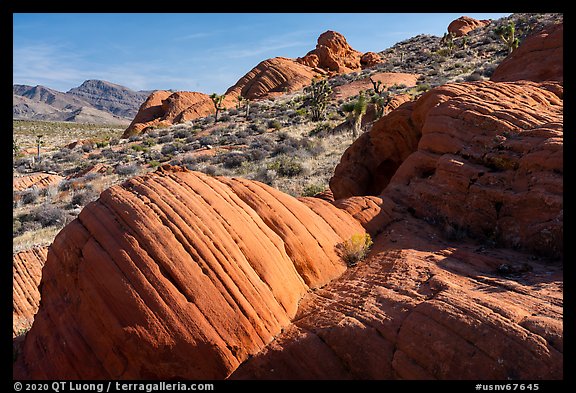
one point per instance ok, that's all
(35, 180)
(485, 158)
(164, 108)
(176, 274)
(332, 53)
(275, 76)
(419, 309)
(370, 59)
(540, 57)
(26, 275)
(388, 79)
(465, 24)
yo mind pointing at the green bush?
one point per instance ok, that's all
(312, 189)
(356, 248)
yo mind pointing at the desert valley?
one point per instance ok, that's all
(395, 214)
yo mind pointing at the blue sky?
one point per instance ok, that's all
(195, 52)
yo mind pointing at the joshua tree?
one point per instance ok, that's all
(464, 42)
(378, 86)
(246, 102)
(355, 111)
(217, 100)
(507, 35)
(448, 41)
(318, 95)
(15, 147)
(39, 142)
(380, 102)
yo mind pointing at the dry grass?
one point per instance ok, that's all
(41, 237)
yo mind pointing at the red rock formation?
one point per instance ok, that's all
(98, 168)
(489, 161)
(419, 309)
(388, 79)
(465, 25)
(370, 59)
(271, 77)
(164, 108)
(37, 180)
(26, 274)
(176, 274)
(540, 57)
(332, 53)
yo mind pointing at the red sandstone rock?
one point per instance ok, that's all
(275, 76)
(98, 168)
(370, 59)
(26, 275)
(164, 108)
(540, 57)
(418, 309)
(37, 180)
(489, 161)
(465, 24)
(176, 274)
(332, 53)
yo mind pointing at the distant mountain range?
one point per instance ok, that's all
(94, 101)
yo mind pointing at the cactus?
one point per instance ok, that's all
(448, 41)
(507, 35)
(318, 96)
(217, 100)
(246, 102)
(39, 142)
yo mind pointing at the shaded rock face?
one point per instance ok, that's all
(419, 309)
(465, 24)
(332, 53)
(164, 108)
(26, 274)
(176, 274)
(273, 76)
(540, 57)
(483, 157)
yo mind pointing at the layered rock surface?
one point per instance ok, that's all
(419, 308)
(37, 180)
(26, 274)
(163, 108)
(483, 157)
(176, 274)
(540, 57)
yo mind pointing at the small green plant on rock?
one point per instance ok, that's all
(356, 248)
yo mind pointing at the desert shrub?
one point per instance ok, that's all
(149, 142)
(168, 149)
(312, 189)
(287, 166)
(266, 176)
(126, 170)
(320, 129)
(185, 133)
(256, 154)
(83, 197)
(356, 248)
(154, 163)
(274, 124)
(208, 140)
(47, 215)
(314, 147)
(233, 160)
(140, 148)
(135, 138)
(165, 139)
(30, 196)
(110, 154)
(211, 170)
(225, 117)
(87, 147)
(473, 77)
(114, 141)
(233, 112)
(422, 87)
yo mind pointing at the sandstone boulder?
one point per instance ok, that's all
(164, 108)
(540, 57)
(419, 309)
(485, 158)
(178, 275)
(370, 59)
(26, 274)
(465, 24)
(36, 180)
(333, 53)
(271, 77)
